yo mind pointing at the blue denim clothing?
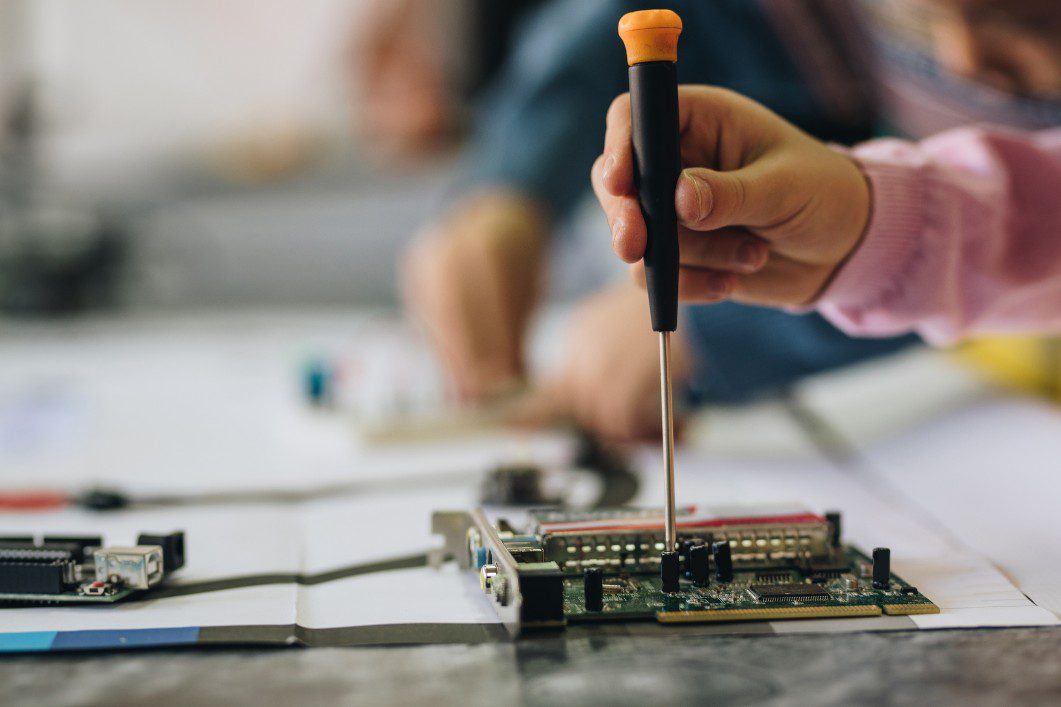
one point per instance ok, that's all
(542, 125)
(743, 351)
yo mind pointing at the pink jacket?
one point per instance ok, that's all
(965, 238)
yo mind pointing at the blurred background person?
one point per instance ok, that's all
(259, 153)
(418, 65)
(842, 71)
(476, 274)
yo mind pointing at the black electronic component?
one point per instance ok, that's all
(36, 576)
(774, 593)
(698, 565)
(543, 593)
(835, 528)
(668, 570)
(514, 485)
(723, 561)
(103, 500)
(684, 547)
(909, 589)
(172, 548)
(593, 588)
(822, 571)
(83, 545)
(882, 567)
(21, 552)
(773, 576)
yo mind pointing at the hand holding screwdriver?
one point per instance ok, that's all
(766, 213)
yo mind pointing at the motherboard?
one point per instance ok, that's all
(81, 570)
(565, 567)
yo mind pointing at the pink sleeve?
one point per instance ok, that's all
(965, 238)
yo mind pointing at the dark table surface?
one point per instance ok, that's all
(968, 667)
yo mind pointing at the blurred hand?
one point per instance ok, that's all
(766, 213)
(1012, 46)
(473, 279)
(402, 95)
(609, 380)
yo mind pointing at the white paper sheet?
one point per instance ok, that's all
(991, 474)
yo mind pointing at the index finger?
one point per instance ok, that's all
(629, 233)
(617, 172)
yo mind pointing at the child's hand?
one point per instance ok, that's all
(766, 213)
(608, 380)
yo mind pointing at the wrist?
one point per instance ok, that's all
(873, 267)
(856, 217)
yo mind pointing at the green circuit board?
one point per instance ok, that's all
(733, 567)
(82, 571)
(66, 598)
(791, 595)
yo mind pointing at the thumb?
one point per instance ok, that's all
(706, 199)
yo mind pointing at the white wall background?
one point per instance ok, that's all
(130, 81)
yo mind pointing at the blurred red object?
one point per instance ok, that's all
(33, 500)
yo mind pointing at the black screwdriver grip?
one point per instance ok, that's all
(657, 165)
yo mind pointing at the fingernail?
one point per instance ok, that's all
(748, 255)
(698, 191)
(609, 162)
(617, 230)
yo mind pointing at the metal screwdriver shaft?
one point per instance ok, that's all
(651, 39)
(670, 533)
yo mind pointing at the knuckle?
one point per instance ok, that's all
(595, 170)
(740, 194)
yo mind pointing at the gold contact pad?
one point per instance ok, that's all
(910, 609)
(774, 614)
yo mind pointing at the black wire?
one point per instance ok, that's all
(261, 580)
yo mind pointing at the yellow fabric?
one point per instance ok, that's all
(1032, 365)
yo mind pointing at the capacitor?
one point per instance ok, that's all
(593, 588)
(686, 544)
(833, 518)
(668, 570)
(723, 561)
(882, 567)
(698, 565)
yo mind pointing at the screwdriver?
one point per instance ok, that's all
(651, 39)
